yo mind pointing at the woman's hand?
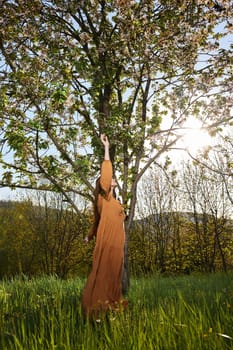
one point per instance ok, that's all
(86, 239)
(104, 140)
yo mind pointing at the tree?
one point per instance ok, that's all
(42, 235)
(72, 70)
(184, 222)
(210, 207)
(220, 161)
(18, 249)
(60, 233)
(157, 211)
(166, 227)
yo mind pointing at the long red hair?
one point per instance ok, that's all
(98, 191)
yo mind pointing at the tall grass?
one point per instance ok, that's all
(189, 312)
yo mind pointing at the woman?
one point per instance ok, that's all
(103, 288)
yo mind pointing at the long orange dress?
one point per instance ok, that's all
(103, 289)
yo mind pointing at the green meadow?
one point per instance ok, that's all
(185, 312)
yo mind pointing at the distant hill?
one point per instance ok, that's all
(7, 204)
(165, 217)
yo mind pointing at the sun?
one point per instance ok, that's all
(195, 137)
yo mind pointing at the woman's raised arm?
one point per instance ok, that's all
(105, 142)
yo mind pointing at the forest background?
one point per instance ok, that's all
(137, 71)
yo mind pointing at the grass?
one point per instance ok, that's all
(188, 312)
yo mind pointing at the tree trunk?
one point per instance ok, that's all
(125, 274)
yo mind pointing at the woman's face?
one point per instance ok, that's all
(113, 183)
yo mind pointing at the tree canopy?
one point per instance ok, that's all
(71, 70)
